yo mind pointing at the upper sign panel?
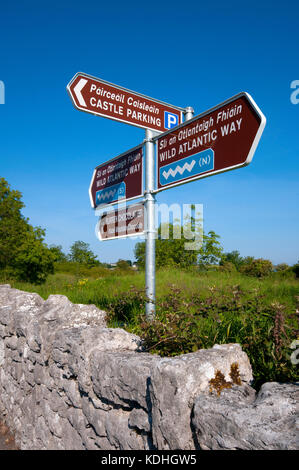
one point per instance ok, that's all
(221, 139)
(102, 98)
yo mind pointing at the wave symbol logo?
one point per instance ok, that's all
(187, 168)
(111, 194)
(106, 195)
(179, 169)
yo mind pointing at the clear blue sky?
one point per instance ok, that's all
(188, 53)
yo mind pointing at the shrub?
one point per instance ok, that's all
(123, 265)
(125, 308)
(81, 270)
(60, 257)
(257, 267)
(228, 266)
(33, 260)
(171, 250)
(284, 274)
(233, 257)
(295, 269)
(80, 253)
(265, 331)
(22, 249)
(281, 267)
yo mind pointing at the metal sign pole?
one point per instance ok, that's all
(188, 113)
(150, 268)
(150, 202)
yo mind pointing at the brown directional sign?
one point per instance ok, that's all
(221, 139)
(96, 96)
(118, 179)
(123, 222)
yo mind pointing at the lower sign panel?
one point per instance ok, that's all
(124, 222)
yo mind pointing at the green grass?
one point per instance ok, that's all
(87, 290)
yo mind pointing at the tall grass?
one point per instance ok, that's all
(110, 284)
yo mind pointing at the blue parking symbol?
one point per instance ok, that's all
(170, 120)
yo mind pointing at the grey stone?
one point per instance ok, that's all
(58, 310)
(94, 416)
(140, 419)
(175, 383)
(39, 374)
(34, 339)
(119, 435)
(14, 355)
(237, 420)
(2, 353)
(43, 438)
(72, 348)
(77, 420)
(11, 343)
(29, 377)
(56, 404)
(17, 371)
(4, 332)
(99, 404)
(71, 439)
(122, 377)
(53, 420)
(113, 339)
(26, 309)
(70, 388)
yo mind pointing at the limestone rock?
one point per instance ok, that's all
(175, 383)
(238, 420)
(140, 420)
(61, 311)
(122, 378)
(119, 435)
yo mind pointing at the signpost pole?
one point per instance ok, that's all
(150, 268)
(188, 113)
(150, 202)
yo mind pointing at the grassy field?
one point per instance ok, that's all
(101, 291)
(195, 310)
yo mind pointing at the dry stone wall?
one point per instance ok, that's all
(69, 382)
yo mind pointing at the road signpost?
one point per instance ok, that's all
(221, 139)
(96, 96)
(99, 97)
(122, 222)
(120, 178)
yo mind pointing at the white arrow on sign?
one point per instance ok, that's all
(77, 90)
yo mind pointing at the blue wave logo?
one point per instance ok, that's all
(187, 167)
(111, 194)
